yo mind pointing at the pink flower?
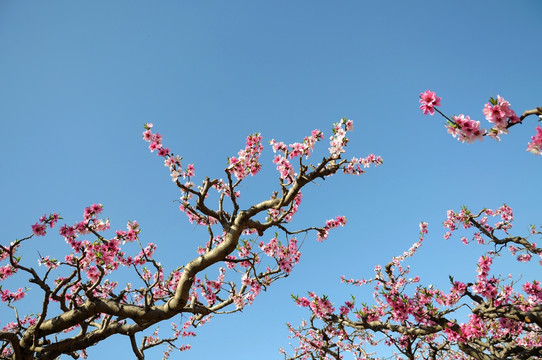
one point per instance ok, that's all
(428, 101)
(175, 175)
(536, 145)
(163, 151)
(38, 229)
(97, 208)
(153, 146)
(147, 135)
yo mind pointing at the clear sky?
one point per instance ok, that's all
(78, 79)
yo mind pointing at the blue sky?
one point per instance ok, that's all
(79, 79)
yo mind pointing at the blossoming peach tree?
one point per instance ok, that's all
(82, 304)
(504, 319)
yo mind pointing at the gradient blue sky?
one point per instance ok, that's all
(79, 79)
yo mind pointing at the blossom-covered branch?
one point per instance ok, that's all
(497, 112)
(423, 322)
(81, 302)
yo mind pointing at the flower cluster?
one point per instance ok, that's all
(298, 149)
(7, 270)
(339, 140)
(285, 168)
(247, 162)
(465, 129)
(497, 112)
(40, 227)
(484, 286)
(320, 306)
(330, 224)
(286, 256)
(155, 140)
(8, 296)
(534, 291)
